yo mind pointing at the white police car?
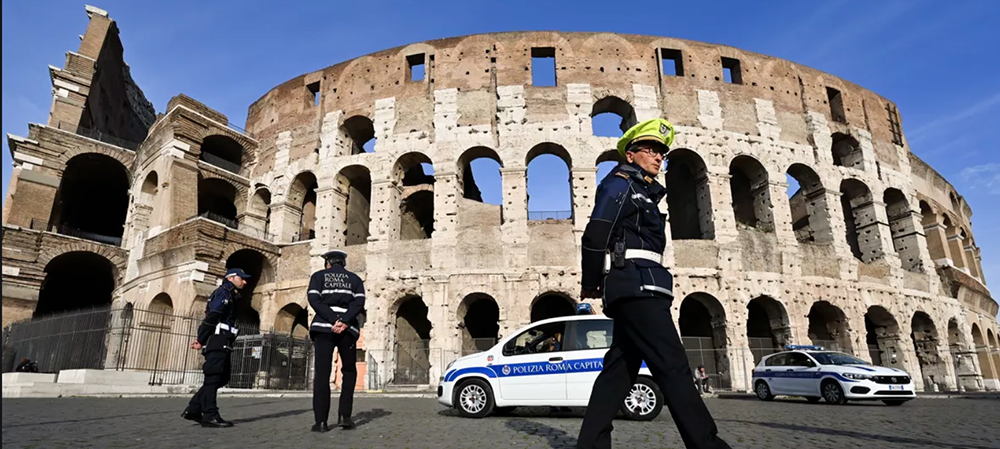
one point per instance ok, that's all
(552, 362)
(814, 373)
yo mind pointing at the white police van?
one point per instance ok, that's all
(551, 362)
(814, 373)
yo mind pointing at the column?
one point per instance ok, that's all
(515, 215)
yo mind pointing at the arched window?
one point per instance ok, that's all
(861, 220)
(414, 172)
(751, 194)
(361, 131)
(550, 185)
(807, 201)
(689, 199)
(901, 226)
(217, 201)
(352, 204)
(847, 152)
(92, 200)
(222, 152)
(611, 117)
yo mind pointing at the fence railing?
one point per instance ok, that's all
(155, 342)
(42, 225)
(258, 233)
(220, 162)
(540, 215)
(98, 135)
(230, 222)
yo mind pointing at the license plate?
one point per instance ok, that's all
(897, 387)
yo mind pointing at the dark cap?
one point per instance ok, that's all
(335, 254)
(237, 272)
(584, 308)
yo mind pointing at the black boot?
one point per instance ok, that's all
(216, 422)
(320, 427)
(345, 422)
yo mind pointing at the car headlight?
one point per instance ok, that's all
(450, 364)
(857, 376)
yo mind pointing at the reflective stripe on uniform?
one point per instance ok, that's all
(338, 309)
(634, 254)
(225, 327)
(656, 289)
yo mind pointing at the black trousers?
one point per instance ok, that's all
(346, 344)
(644, 330)
(217, 369)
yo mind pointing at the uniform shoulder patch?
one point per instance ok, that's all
(621, 174)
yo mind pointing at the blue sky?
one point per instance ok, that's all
(931, 58)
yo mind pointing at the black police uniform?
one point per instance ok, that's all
(216, 334)
(637, 293)
(335, 294)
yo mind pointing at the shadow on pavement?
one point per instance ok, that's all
(272, 416)
(363, 418)
(557, 438)
(859, 435)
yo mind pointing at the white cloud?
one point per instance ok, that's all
(985, 176)
(937, 124)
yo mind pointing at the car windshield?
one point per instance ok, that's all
(837, 358)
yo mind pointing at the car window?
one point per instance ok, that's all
(798, 359)
(838, 358)
(775, 360)
(590, 334)
(538, 339)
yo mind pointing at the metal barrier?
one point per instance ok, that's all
(42, 225)
(220, 162)
(97, 135)
(156, 342)
(540, 215)
(229, 222)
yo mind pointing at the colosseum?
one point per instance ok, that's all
(797, 211)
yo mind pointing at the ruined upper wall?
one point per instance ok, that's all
(610, 63)
(95, 89)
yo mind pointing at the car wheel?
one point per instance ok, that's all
(832, 393)
(763, 391)
(503, 411)
(474, 398)
(813, 399)
(644, 402)
(894, 403)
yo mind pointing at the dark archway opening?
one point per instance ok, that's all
(768, 330)
(361, 131)
(413, 336)
(75, 280)
(751, 194)
(860, 220)
(689, 200)
(702, 323)
(552, 305)
(847, 151)
(303, 196)
(807, 201)
(222, 152)
(217, 201)
(417, 220)
(828, 327)
(480, 323)
(92, 199)
(882, 337)
(925, 344)
(261, 272)
(355, 183)
(292, 320)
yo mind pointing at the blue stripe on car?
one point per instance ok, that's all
(801, 375)
(452, 375)
(532, 369)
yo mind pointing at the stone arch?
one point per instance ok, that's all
(352, 205)
(125, 158)
(703, 329)
(559, 205)
(259, 210)
(846, 151)
(360, 131)
(768, 328)
(983, 355)
(902, 228)
(955, 239)
(301, 199)
(829, 327)
(882, 336)
(150, 185)
(222, 151)
(751, 193)
(117, 257)
(467, 183)
(75, 280)
(616, 107)
(608, 42)
(552, 304)
(808, 204)
(479, 322)
(925, 344)
(416, 199)
(293, 320)
(411, 338)
(994, 349)
(92, 199)
(690, 201)
(861, 220)
(969, 246)
(606, 162)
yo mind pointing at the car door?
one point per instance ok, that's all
(586, 344)
(774, 371)
(532, 369)
(801, 372)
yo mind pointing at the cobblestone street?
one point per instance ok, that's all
(422, 423)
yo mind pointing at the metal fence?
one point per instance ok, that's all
(229, 222)
(540, 215)
(220, 162)
(98, 135)
(156, 342)
(43, 225)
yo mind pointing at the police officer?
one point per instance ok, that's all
(215, 339)
(622, 248)
(337, 296)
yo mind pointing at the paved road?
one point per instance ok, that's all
(422, 423)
